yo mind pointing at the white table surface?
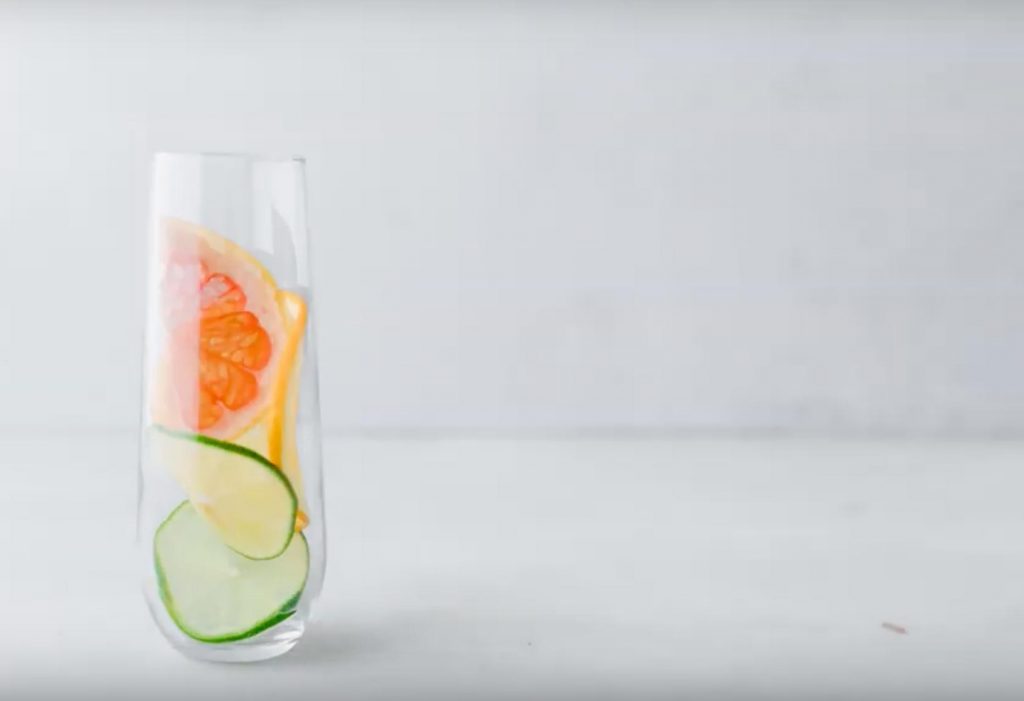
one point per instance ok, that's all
(696, 568)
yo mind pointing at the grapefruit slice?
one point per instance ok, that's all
(223, 338)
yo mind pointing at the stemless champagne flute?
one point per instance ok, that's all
(231, 523)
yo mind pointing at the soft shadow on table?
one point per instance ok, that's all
(335, 641)
(328, 643)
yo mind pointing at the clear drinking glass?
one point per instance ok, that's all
(231, 524)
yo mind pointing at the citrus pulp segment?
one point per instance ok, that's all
(223, 334)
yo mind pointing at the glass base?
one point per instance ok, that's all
(256, 650)
(271, 643)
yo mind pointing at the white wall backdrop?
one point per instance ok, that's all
(666, 215)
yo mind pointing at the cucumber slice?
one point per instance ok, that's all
(245, 498)
(215, 595)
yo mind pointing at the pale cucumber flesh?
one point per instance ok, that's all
(214, 594)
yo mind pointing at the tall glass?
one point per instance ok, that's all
(231, 523)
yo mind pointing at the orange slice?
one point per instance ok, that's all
(275, 436)
(284, 416)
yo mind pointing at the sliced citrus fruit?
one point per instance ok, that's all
(283, 443)
(224, 334)
(275, 436)
(247, 500)
(215, 595)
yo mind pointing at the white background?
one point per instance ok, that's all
(539, 219)
(583, 216)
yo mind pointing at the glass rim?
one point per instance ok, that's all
(232, 155)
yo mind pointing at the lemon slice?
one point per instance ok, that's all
(247, 501)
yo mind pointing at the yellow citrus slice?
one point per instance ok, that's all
(247, 501)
